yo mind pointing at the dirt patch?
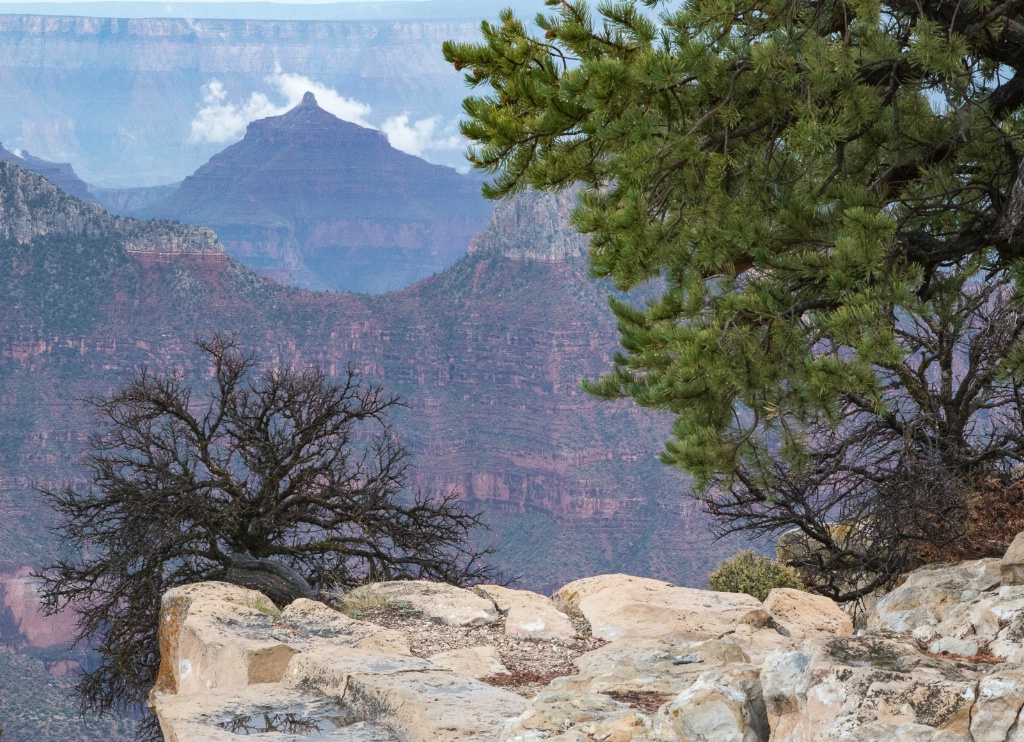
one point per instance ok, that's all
(985, 657)
(531, 665)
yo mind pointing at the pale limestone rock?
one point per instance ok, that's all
(555, 711)
(957, 608)
(471, 662)
(446, 603)
(759, 642)
(708, 687)
(864, 688)
(313, 623)
(931, 594)
(210, 716)
(620, 606)
(1008, 611)
(1011, 568)
(216, 635)
(650, 666)
(799, 614)
(724, 705)
(811, 686)
(419, 701)
(529, 615)
(952, 645)
(996, 715)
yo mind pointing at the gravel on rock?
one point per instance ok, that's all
(531, 664)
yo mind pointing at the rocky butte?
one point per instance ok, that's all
(312, 200)
(612, 658)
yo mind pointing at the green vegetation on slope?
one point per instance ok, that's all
(35, 706)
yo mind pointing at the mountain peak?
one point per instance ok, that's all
(308, 121)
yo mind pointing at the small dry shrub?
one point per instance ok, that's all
(263, 604)
(754, 574)
(368, 603)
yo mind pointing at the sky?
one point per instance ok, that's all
(276, 2)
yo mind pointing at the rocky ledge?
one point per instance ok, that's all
(615, 658)
(31, 207)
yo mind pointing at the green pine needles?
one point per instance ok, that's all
(800, 175)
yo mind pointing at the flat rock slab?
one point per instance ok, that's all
(621, 606)
(471, 662)
(644, 690)
(420, 701)
(446, 603)
(286, 714)
(219, 635)
(589, 715)
(650, 666)
(866, 688)
(529, 615)
(312, 624)
(799, 614)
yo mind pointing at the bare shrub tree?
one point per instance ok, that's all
(270, 466)
(891, 484)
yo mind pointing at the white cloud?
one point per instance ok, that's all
(293, 87)
(220, 120)
(420, 136)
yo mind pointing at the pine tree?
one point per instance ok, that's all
(797, 174)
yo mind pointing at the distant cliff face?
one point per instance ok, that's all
(116, 97)
(315, 201)
(533, 226)
(31, 208)
(488, 353)
(61, 174)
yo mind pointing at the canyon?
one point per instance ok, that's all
(488, 354)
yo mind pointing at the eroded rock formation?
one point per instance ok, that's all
(941, 660)
(314, 201)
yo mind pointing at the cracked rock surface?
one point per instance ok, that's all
(612, 658)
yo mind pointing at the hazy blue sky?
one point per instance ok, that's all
(208, 2)
(176, 2)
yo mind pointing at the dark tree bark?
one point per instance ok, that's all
(277, 581)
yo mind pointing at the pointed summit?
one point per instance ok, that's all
(309, 122)
(307, 186)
